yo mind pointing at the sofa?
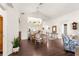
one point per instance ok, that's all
(69, 44)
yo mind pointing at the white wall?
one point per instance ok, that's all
(12, 28)
(23, 27)
(66, 19)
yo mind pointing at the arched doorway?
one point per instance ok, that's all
(1, 34)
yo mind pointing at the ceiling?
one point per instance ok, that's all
(50, 10)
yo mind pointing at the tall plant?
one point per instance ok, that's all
(16, 42)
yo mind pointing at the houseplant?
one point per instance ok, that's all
(16, 44)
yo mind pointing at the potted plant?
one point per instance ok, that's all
(16, 44)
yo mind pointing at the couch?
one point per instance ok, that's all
(69, 44)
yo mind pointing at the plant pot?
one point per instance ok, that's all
(15, 49)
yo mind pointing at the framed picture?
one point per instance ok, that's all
(54, 29)
(74, 25)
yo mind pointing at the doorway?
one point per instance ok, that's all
(65, 29)
(1, 35)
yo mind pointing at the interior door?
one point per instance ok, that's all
(1, 33)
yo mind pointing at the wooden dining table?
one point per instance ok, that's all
(42, 40)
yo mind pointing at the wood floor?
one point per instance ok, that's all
(54, 48)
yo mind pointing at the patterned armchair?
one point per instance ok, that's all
(69, 44)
